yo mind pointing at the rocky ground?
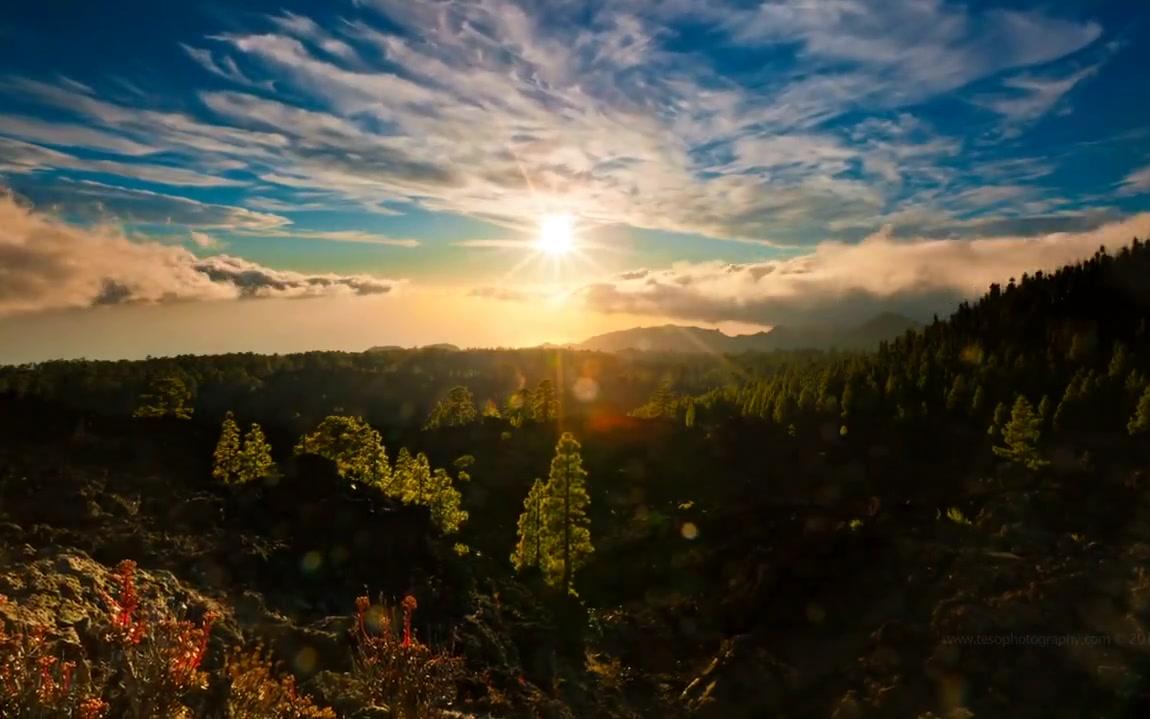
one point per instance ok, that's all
(1031, 601)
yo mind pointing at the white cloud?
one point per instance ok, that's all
(21, 157)
(1029, 96)
(500, 110)
(48, 264)
(203, 240)
(358, 236)
(97, 201)
(70, 135)
(840, 282)
(1137, 182)
(225, 67)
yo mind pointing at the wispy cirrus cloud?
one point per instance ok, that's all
(93, 201)
(1136, 183)
(22, 157)
(357, 236)
(496, 109)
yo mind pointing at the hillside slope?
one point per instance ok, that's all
(676, 338)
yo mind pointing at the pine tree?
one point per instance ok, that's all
(255, 459)
(529, 549)
(518, 407)
(978, 402)
(416, 480)
(1119, 362)
(455, 410)
(226, 458)
(1021, 435)
(568, 540)
(1044, 410)
(662, 404)
(956, 398)
(445, 502)
(999, 419)
(167, 396)
(1140, 422)
(545, 403)
(401, 473)
(353, 445)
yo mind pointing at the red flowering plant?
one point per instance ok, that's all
(156, 657)
(395, 668)
(36, 682)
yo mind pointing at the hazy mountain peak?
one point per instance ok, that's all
(679, 338)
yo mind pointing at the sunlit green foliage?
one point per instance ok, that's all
(663, 403)
(167, 396)
(236, 463)
(226, 458)
(1020, 436)
(359, 455)
(545, 402)
(255, 459)
(1140, 422)
(529, 549)
(455, 410)
(518, 407)
(415, 482)
(554, 529)
(355, 447)
(491, 409)
(957, 516)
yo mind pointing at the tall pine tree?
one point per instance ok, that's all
(255, 459)
(545, 402)
(1021, 435)
(562, 536)
(225, 461)
(529, 549)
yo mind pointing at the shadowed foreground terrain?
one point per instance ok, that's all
(955, 525)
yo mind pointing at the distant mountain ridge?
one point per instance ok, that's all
(676, 338)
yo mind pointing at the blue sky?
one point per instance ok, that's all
(719, 158)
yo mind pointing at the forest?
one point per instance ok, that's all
(954, 525)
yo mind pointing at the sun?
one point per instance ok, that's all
(555, 237)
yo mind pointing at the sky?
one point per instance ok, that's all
(212, 176)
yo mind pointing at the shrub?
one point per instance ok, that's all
(256, 693)
(36, 682)
(396, 669)
(154, 656)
